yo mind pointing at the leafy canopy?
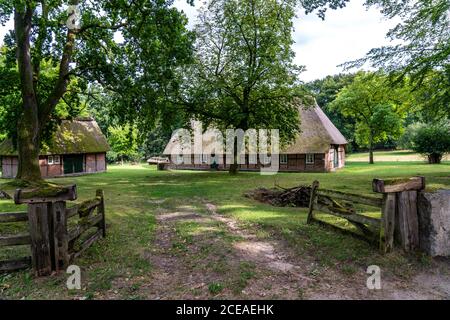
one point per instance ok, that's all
(377, 108)
(433, 141)
(244, 76)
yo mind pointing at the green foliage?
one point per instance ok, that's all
(406, 142)
(423, 50)
(377, 108)
(69, 107)
(129, 49)
(382, 122)
(433, 141)
(325, 91)
(123, 142)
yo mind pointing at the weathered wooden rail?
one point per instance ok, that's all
(342, 205)
(398, 211)
(14, 240)
(53, 244)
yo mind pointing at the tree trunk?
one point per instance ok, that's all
(234, 168)
(28, 149)
(434, 158)
(35, 114)
(28, 126)
(371, 159)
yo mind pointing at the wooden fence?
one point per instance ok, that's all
(14, 240)
(398, 222)
(343, 205)
(55, 238)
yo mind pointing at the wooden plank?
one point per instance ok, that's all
(312, 200)
(83, 227)
(72, 212)
(366, 200)
(102, 211)
(388, 216)
(86, 208)
(350, 217)
(86, 245)
(14, 265)
(16, 240)
(40, 228)
(47, 194)
(398, 185)
(61, 243)
(6, 217)
(407, 227)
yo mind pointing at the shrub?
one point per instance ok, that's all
(406, 141)
(433, 141)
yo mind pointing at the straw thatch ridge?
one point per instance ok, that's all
(79, 136)
(318, 133)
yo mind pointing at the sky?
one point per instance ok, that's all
(345, 34)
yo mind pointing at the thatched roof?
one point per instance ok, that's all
(317, 135)
(72, 137)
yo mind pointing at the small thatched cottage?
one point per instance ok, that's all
(320, 147)
(78, 147)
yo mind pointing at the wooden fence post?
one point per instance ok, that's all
(39, 221)
(400, 215)
(388, 222)
(47, 225)
(101, 210)
(61, 242)
(312, 200)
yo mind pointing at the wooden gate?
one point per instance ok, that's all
(57, 234)
(398, 222)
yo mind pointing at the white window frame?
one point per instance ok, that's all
(180, 159)
(56, 159)
(205, 158)
(310, 156)
(265, 159)
(253, 159)
(284, 159)
(50, 160)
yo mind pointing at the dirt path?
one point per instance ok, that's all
(208, 255)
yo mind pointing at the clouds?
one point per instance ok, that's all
(346, 34)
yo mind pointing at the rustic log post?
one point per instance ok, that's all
(47, 225)
(61, 242)
(388, 222)
(39, 221)
(312, 200)
(101, 211)
(407, 222)
(400, 215)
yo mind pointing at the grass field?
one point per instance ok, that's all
(390, 156)
(135, 193)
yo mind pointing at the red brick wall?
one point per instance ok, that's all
(101, 162)
(296, 162)
(9, 167)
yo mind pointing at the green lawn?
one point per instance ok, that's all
(133, 193)
(392, 156)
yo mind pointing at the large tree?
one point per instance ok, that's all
(325, 91)
(130, 48)
(377, 109)
(421, 49)
(244, 77)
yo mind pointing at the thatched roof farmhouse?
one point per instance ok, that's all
(77, 147)
(320, 147)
